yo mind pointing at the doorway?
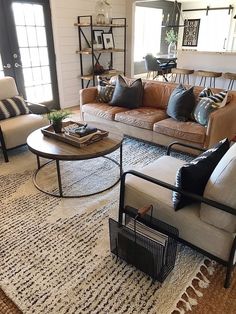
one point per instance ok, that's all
(27, 49)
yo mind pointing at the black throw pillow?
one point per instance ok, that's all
(181, 103)
(128, 96)
(193, 176)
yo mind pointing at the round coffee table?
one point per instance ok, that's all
(56, 151)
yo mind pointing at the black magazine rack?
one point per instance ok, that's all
(152, 251)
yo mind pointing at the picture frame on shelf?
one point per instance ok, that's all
(98, 38)
(108, 40)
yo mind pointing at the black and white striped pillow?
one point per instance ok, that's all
(12, 107)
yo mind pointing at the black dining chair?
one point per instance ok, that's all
(155, 67)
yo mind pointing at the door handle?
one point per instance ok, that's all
(17, 65)
(7, 66)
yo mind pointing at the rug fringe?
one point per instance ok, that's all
(203, 282)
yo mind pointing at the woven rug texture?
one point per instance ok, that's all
(54, 253)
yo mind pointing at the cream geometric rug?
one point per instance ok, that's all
(54, 253)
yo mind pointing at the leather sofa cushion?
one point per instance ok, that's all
(141, 117)
(190, 131)
(156, 94)
(102, 110)
(221, 188)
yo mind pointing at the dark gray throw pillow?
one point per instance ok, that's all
(128, 96)
(181, 103)
(193, 176)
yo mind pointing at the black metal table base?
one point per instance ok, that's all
(59, 180)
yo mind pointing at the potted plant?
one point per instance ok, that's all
(171, 38)
(55, 117)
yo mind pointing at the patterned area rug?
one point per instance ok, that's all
(55, 254)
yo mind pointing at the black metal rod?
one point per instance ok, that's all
(230, 265)
(230, 7)
(121, 160)
(169, 147)
(59, 178)
(3, 145)
(38, 161)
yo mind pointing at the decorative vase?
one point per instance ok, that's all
(103, 12)
(57, 126)
(172, 49)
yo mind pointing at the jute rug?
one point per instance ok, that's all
(55, 254)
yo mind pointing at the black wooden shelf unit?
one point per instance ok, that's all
(86, 28)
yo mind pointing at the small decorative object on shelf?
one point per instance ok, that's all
(103, 12)
(55, 117)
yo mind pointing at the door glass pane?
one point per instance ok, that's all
(32, 41)
(1, 68)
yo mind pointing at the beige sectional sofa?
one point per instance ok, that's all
(151, 123)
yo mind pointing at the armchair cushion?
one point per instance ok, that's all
(12, 107)
(193, 176)
(221, 188)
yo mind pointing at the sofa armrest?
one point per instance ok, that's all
(221, 124)
(37, 108)
(87, 95)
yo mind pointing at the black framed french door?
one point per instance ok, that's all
(27, 49)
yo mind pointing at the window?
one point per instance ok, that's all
(31, 36)
(147, 35)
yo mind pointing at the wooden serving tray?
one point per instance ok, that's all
(73, 139)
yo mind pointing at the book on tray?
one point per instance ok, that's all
(80, 131)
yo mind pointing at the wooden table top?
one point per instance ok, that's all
(48, 147)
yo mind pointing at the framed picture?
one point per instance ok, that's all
(98, 39)
(191, 30)
(108, 40)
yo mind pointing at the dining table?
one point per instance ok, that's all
(167, 62)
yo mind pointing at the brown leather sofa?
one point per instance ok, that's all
(151, 122)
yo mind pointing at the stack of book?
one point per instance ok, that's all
(80, 131)
(149, 233)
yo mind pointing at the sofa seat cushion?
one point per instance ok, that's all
(143, 117)
(102, 110)
(221, 188)
(16, 130)
(190, 131)
(140, 193)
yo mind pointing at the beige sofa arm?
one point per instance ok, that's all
(221, 124)
(87, 95)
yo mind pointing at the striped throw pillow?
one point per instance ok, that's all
(105, 89)
(203, 110)
(221, 97)
(12, 107)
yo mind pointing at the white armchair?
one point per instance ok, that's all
(15, 130)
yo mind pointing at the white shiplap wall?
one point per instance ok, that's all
(64, 15)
